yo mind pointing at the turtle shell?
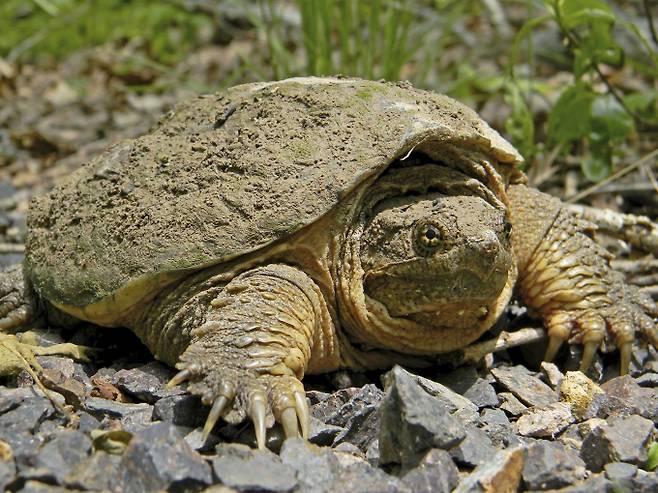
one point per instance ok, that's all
(229, 173)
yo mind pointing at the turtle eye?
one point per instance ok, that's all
(428, 238)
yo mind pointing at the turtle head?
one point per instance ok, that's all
(441, 261)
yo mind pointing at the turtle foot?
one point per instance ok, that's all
(238, 393)
(16, 308)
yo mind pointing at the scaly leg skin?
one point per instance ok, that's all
(265, 329)
(566, 277)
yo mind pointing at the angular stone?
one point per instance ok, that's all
(474, 449)
(26, 417)
(457, 405)
(551, 465)
(625, 396)
(72, 390)
(7, 473)
(249, 470)
(361, 477)
(11, 398)
(323, 434)
(96, 473)
(63, 453)
(460, 379)
(369, 396)
(498, 428)
(146, 383)
(622, 475)
(647, 380)
(528, 388)
(133, 417)
(158, 458)
(552, 373)
(645, 482)
(482, 394)
(584, 396)
(362, 428)
(436, 473)
(413, 422)
(500, 473)
(181, 410)
(38, 487)
(314, 466)
(511, 404)
(622, 438)
(594, 484)
(24, 446)
(545, 421)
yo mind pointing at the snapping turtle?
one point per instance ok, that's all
(284, 228)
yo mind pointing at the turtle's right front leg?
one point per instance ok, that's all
(261, 334)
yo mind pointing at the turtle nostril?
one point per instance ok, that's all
(489, 243)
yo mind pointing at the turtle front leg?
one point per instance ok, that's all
(261, 334)
(566, 277)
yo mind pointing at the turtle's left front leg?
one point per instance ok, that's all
(566, 277)
(251, 344)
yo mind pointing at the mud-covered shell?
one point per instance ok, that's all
(228, 173)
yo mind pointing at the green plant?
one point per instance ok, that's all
(652, 461)
(591, 113)
(371, 39)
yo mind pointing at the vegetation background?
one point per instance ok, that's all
(572, 83)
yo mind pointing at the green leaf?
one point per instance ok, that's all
(520, 124)
(609, 119)
(569, 119)
(577, 12)
(599, 164)
(652, 461)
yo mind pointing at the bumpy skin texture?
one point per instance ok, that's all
(306, 225)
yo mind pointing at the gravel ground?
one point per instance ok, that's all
(495, 428)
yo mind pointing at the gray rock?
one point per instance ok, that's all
(362, 428)
(625, 396)
(457, 405)
(647, 380)
(62, 454)
(98, 472)
(11, 398)
(7, 473)
(621, 475)
(551, 465)
(87, 422)
(413, 422)
(482, 394)
(511, 404)
(253, 470)
(146, 383)
(133, 417)
(645, 482)
(460, 379)
(38, 487)
(594, 484)
(436, 473)
(369, 396)
(372, 454)
(623, 438)
(552, 373)
(528, 388)
(158, 458)
(496, 425)
(323, 434)
(545, 421)
(502, 472)
(361, 477)
(24, 446)
(474, 449)
(181, 410)
(315, 467)
(26, 417)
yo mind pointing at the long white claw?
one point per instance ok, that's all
(589, 350)
(303, 413)
(215, 413)
(289, 422)
(625, 351)
(183, 375)
(258, 410)
(553, 347)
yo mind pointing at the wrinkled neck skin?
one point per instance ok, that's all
(425, 265)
